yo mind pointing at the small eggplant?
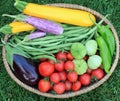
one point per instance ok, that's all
(25, 71)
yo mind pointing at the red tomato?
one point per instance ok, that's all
(43, 59)
(46, 69)
(63, 75)
(68, 85)
(76, 86)
(59, 88)
(69, 56)
(89, 71)
(59, 66)
(44, 85)
(55, 78)
(51, 61)
(85, 79)
(61, 56)
(72, 76)
(69, 65)
(98, 73)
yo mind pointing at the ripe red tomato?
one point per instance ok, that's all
(89, 71)
(69, 66)
(63, 75)
(43, 59)
(85, 79)
(68, 85)
(46, 69)
(72, 76)
(59, 88)
(76, 86)
(59, 66)
(98, 73)
(69, 56)
(61, 56)
(51, 61)
(44, 85)
(55, 78)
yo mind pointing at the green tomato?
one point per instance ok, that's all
(78, 50)
(80, 66)
(91, 47)
(94, 61)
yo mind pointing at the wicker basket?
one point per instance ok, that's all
(83, 90)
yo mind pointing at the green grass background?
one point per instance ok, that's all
(109, 91)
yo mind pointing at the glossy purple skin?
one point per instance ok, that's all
(25, 71)
(45, 25)
(37, 34)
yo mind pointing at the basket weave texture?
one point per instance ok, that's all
(84, 90)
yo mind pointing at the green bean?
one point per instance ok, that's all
(41, 42)
(31, 48)
(108, 36)
(74, 28)
(47, 38)
(39, 53)
(45, 56)
(76, 35)
(104, 53)
(76, 38)
(57, 47)
(74, 31)
(52, 44)
(89, 37)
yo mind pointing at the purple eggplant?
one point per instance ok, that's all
(36, 34)
(25, 71)
(40, 24)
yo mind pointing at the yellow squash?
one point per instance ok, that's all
(20, 27)
(58, 14)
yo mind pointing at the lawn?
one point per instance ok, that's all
(109, 91)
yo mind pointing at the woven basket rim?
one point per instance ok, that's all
(84, 90)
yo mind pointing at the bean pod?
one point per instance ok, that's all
(104, 53)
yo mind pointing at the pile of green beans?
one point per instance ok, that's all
(47, 46)
(52, 44)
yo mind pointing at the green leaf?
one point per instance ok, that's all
(9, 55)
(10, 51)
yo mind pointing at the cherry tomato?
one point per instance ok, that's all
(59, 88)
(69, 56)
(44, 85)
(85, 79)
(61, 56)
(72, 76)
(98, 73)
(89, 71)
(69, 66)
(46, 69)
(76, 86)
(55, 78)
(63, 75)
(43, 59)
(51, 61)
(59, 66)
(68, 85)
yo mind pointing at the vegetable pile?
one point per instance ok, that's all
(58, 51)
